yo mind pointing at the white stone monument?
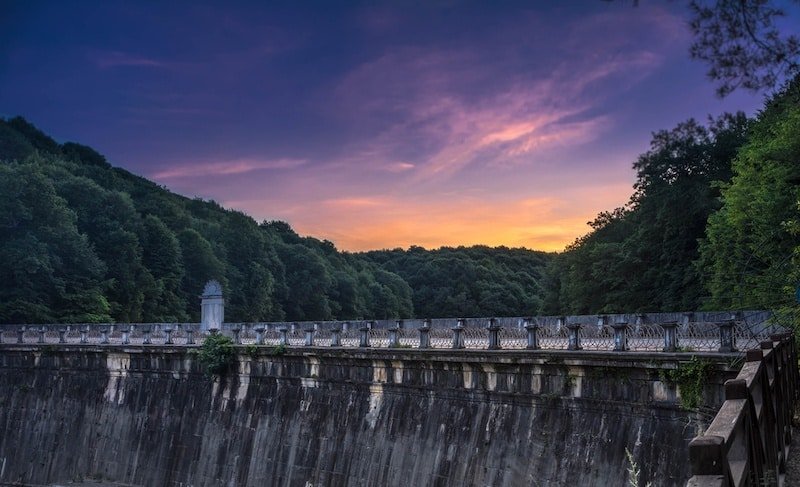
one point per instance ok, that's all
(212, 307)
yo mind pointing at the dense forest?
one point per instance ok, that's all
(82, 241)
(713, 222)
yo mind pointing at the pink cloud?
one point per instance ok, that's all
(456, 116)
(225, 168)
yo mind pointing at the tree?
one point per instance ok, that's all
(49, 271)
(743, 47)
(752, 245)
(201, 265)
(161, 254)
(640, 257)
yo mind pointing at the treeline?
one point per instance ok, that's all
(82, 241)
(469, 281)
(713, 223)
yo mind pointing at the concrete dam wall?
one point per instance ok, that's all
(323, 416)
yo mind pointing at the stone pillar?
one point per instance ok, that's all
(620, 336)
(41, 334)
(394, 341)
(168, 332)
(61, 332)
(424, 334)
(212, 307)
(189, 335)
(259, 329)
(284, 340)
(236, 330)
(145, 335)
(126, 339)
(574, 336)
(726, 342)
(104, 335)
(335, 337)
(345, 326)
(21, 335)
(532, 327)
(458, 336)
(309, 337)
(364, 336)
(670, 336)
(494, 334)
(400, 324)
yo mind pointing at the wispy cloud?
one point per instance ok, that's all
(443, 110)
(224, 168)
(114, 59)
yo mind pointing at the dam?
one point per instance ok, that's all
(551, 401)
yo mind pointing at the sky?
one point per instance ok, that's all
(370, 124)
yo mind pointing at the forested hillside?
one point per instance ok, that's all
(82, 241)
(469, 281)
(713, 223)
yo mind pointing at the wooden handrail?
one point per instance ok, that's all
(748, 440)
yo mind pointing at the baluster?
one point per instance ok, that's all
(259, 329)
(145, 335)
(393, 337)
(236, 330)
(284, 340)
(726, 343)
(494, 338)
(104, 335)
(620, 335)
(21, 335)
(458, 337)
(425, 334)
(364, 338)
(670, 336)
(41, 334)
(85, 334)
(189, 335)
(309, 337)
(532, 327)
(126, 339)
(62, 331)
(335, 338)
(168, 332)
(574, 336)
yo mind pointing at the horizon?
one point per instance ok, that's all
(371, 126)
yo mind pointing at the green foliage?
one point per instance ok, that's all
(465, 281)
(752, 244)
(50, 271)
(278, 349)
(690, 377)
(217, 354)
(251, 350)
(640, 257)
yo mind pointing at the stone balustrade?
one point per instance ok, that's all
(717, 332)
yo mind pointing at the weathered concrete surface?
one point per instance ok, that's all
(148, 416)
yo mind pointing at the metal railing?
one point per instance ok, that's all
(748, 441)
(722, 332)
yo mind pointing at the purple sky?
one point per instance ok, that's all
(373, 125)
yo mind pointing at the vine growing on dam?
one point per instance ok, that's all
(217, 354)
(690, 378)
